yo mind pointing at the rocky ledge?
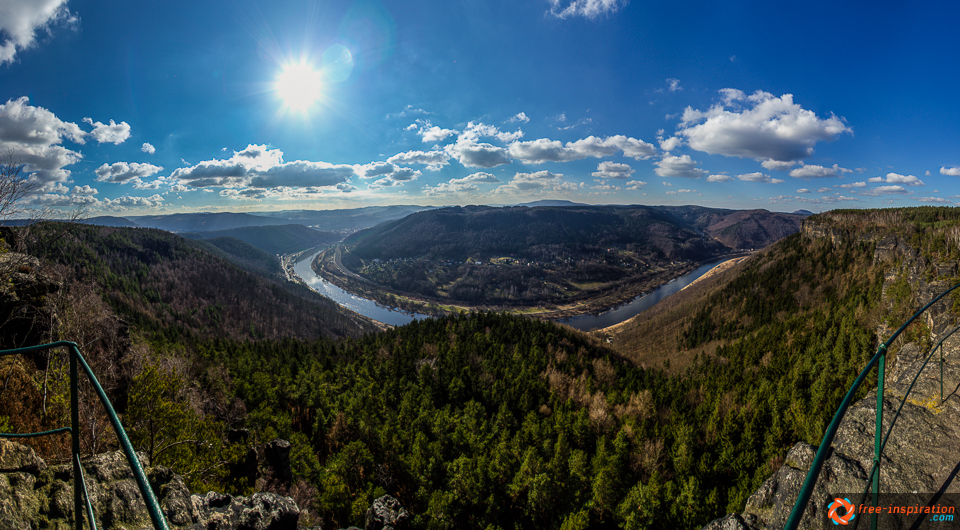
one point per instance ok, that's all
(35, 496)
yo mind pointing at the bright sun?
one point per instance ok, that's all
(299, 86)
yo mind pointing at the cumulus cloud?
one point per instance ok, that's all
(776, 165)
(471, 153)
(814, 171)
(434, 160)
(84, 190)
(854, 185)
(935, 200)
(771, 128)
(909, 180)
(20, 20)
(148, 148)
(803, 190)
(122, 172)
(435, 134)
(390, 174)
(755, 177)
(950, 171)
(678, 166)
(463, 185)
(545, 150)
(673, 85)
(635, 184)
(613, 170)
(260, 167)
(530, 182)
(719, 178)
(521, 117)
(584, 8)
(671, 143)
(115, 133)
(887, 190)
(33, 136)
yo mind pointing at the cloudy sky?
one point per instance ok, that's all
(132, 107)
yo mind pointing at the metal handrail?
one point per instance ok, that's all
(879, 360)
(79, 485)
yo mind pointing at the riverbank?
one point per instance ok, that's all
(329, 268)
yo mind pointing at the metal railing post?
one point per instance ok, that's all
(75, 442)
(878, 435)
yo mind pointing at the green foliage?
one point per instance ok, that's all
(162, 424)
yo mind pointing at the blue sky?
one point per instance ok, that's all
(131, 108)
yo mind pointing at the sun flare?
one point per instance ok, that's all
(299, 86)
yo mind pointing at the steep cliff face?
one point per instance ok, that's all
(922, 456)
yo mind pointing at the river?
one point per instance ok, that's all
(396, 317)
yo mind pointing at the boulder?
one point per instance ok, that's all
(386, 513)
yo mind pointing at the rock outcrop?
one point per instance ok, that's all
(34, 496)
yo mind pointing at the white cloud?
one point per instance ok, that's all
(584, 8)
(128, 202)
(122, 172)
(529, 182)
(20, 20)
(755, 177)
(935, 200)
(718, 178)
(909, 180)
(391, 174)
(32, 136)
(771, 129)
(463, 185)
(520, 117)
(635, 184)
(84, 190)
(507, 137)
(673, 85)
(874, 180)
(613, 170)
(434, 160)
(803, 190)
(470, 153)
(671, 143)
(260, 167)
(887, 190)
(435, 134)
(776, 165)
(824, 190)
(679, 166)
(814, 171)
(148, 148)
(854, 185)
(950, 171)
(545, 150)
(115, 133)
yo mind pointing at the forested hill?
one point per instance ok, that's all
(275, 239)
(160, 281)
(544, 232)
(533, 233)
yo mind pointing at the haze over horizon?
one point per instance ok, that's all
(136, 109)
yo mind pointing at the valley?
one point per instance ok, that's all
(548, 262)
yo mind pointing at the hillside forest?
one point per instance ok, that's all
(479, 420)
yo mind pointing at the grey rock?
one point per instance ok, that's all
(33, 495)
(386, 513)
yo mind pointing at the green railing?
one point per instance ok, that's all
(879, 442)
(79, 486)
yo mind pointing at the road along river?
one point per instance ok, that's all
(371, 309)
